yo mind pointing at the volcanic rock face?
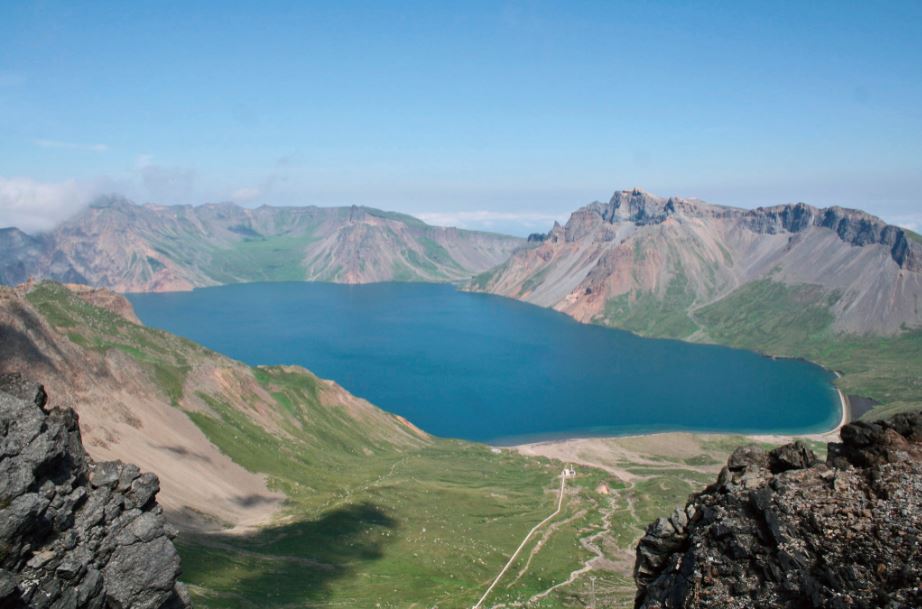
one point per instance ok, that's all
(781, 529)
(74, 533)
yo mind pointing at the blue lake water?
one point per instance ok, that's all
(491, 369)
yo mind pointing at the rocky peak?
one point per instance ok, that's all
(637, 206)
(74, 533)
(359, 214)
(781, 529)
(640, 207)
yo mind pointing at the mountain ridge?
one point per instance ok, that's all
(117, 244)
(639, 244)
(853, 226)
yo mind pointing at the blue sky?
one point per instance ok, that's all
(503, 114)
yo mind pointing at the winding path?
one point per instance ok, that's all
(563, 483)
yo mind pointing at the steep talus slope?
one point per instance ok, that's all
(132, 248)
(74, 532)
(138, 392)
(781, 530)
(836, 286)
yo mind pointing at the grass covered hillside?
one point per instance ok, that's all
(291, 492)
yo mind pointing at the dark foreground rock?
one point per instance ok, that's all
(74, 533)
(781, 530)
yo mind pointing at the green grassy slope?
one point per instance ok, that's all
(163, 355)
(648, 315)
(258, 258)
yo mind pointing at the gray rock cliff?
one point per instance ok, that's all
(74, 533)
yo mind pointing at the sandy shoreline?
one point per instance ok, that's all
(607, 451)
(831, 435)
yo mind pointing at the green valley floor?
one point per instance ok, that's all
(433, 529)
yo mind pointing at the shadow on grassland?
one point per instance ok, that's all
(294, 563)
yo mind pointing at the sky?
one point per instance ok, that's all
(496, 115)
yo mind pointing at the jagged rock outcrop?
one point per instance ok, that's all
(641, 207)
(783, 530)
(74, 533)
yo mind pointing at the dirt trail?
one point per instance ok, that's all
(563, 484)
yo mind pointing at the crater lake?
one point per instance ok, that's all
(491, 369)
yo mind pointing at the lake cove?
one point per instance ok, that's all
(491, 369)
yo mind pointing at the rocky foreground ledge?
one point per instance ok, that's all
(781, 529)
(74, 533)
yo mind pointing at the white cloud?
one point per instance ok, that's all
(33, 206)
(70, 146)
(513, 222)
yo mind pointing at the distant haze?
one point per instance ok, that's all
(498, 116)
